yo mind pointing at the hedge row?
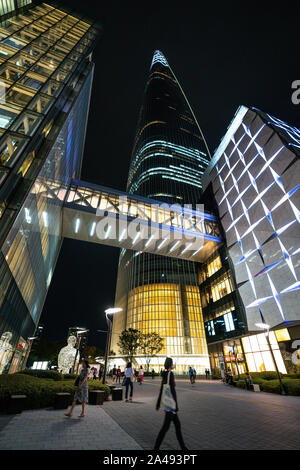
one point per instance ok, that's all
(43, 374)
(40, 392)
(291, 385)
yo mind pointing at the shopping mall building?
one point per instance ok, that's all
(209, 243)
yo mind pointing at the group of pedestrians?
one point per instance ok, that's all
(167, 396)
(116, 374)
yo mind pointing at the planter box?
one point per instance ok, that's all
(62, 401)
(16, 404)
(117, 394)
(96, 397)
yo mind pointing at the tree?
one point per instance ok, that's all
(91, 352)
(129, 342)
(150, 345)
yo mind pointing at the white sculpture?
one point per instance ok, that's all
(66, 356)
(6, 350)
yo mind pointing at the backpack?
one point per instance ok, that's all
(167, 397)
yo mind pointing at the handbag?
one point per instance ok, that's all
(124, 381)
(167, 397)
(77, 381)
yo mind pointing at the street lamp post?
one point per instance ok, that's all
(266, 327)
(108, 311)
(79, 334)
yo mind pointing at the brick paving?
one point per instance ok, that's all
(50, 429)
(213, 416)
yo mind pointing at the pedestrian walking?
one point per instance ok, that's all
(129, 373)
(114, 374)
(141, 375)
(249, 381)
(191, 374)
(194, 375)
(95, 373)
(119, 375)
(167, 397)
(82, 392)
(100, 372)
(152, 374)
(228, 377)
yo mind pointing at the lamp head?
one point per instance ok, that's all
(109, 311)
(262, 326)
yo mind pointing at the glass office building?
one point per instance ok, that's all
(160, 294)
(45, 78)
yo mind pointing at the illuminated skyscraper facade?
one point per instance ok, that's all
(160, 294)
(45, 77)
(254, 176)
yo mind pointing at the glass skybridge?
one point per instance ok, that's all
(103, 215)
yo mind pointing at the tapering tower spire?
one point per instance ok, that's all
(170, 153)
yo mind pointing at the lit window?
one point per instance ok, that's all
(229, 325)
(282, 335)
(211, 328)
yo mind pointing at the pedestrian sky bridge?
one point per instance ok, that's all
(103, 215)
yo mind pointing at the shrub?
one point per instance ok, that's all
(291, 376)
(292, 386)
(271, 386)
(241, 384)
(43, 374)
(97, 385)
(70, 376)
(40, 392)
(267, 375)
(290, 382)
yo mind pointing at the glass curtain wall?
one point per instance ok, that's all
(45, 79)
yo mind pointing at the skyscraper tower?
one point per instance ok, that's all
(169, 157)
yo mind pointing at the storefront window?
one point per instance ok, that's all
(282, 335)
(258, 355)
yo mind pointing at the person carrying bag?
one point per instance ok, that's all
(167, 396)
(167, 399)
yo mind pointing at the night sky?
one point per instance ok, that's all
(224, 55)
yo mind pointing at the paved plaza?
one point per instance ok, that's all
(213, 416)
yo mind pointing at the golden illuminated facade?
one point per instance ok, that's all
(45, 83)
(158, 308)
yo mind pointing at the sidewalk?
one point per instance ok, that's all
(213, 416)
(50, 429)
